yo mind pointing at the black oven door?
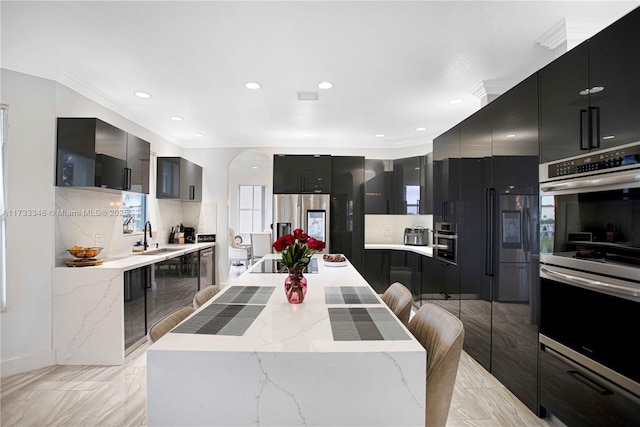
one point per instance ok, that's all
(589, 370)
(445, 247)
(595, 316)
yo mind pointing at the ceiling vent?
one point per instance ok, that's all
(307, 96)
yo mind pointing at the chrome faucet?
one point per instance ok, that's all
(145, 244)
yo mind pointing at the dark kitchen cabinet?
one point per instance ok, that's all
(138, 157)
(92, 153)
(136, 282)
(589, 96)
(475, 231)
(446, 176)
(441, 284)
(426, 184)
(383, 267)
(297, 174)
(174, 283)
(347, 208)
(406, 186)
(376, 269)
(178, 178)
(377, 188)
(396, 187)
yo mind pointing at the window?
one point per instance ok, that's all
(3, 206)
(251, 208)
(134, 208)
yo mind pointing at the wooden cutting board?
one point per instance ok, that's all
(83, 262)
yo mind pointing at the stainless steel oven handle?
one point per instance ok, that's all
(608, 288)
(628, 177)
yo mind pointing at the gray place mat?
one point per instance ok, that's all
(221, 319)
(365, 324)
(349, 295)
(246, 295)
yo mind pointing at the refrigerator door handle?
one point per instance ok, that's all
(489, 230)
(526, 232)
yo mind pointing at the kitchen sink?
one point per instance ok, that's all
(157, 251)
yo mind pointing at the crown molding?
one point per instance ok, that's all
(491, 87)
(572, 28)
(106, 101)
(554, 36)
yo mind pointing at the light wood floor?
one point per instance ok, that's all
(116, 396)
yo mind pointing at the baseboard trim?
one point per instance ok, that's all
(28, 363)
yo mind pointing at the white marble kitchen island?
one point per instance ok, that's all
(264, 361)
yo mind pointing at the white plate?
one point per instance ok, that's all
(336, 264)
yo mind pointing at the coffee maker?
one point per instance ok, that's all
(189, 235)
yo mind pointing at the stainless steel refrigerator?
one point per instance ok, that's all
(310, 212)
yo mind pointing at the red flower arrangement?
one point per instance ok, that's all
(297, 249)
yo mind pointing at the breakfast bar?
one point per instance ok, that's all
(248, 357)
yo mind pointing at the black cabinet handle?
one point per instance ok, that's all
(445, 207)
(192, 192)
(590, 383)
(594, 126)
(489, 230)
(584, 130)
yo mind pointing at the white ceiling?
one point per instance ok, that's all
(394, 64)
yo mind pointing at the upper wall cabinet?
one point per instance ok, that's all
(395, 186)
(296, 174)
(92, 153)
(178, 178)
(588, 96)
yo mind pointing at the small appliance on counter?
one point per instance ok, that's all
(189, 235)
(416, 236)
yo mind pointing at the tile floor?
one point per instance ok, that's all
(116, 396)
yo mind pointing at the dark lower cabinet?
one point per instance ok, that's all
(441, 284)
(376, 269)
(135, 284)
(174, 284)
(153, 291)
(580, 397)
(383, 267)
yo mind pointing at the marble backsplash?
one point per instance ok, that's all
(390, 228)
(83, 215)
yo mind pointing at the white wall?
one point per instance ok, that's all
(26, 323)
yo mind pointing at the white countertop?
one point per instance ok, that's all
(136, 259)
(284, 327)
(422, 250)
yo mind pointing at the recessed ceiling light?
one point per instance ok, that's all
(510, 135)
(380, 135)
(325, 85)
(456, 101)
(608, 137)
(421, 129)
(143, 95)
(306, 135)
(254, 167)
(177, 118)
(252, 85)
(198, 134)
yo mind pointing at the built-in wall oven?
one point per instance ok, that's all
(590, 287)
(445, 238)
